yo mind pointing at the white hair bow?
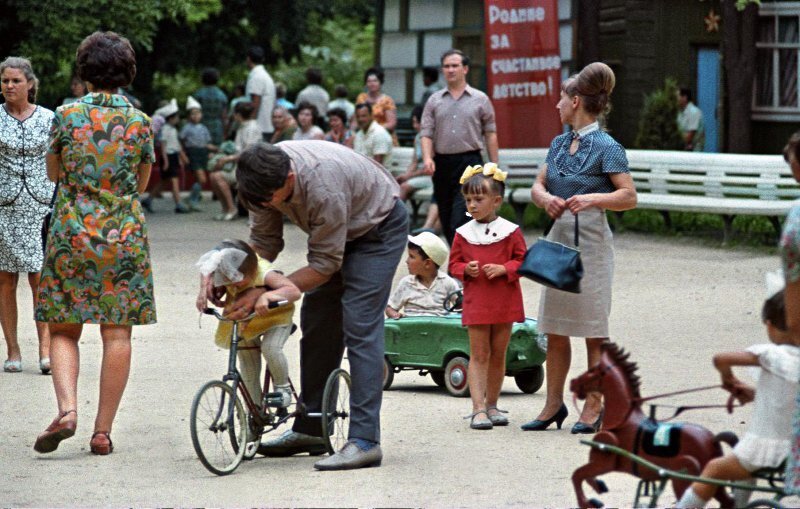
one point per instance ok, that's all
(223, 265)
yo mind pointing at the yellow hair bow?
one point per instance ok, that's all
(488, 169)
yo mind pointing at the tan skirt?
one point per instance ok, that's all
(582, 314)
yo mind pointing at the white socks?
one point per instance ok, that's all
(689, 499)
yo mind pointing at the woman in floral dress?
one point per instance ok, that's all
(97, 267)
(25, 195)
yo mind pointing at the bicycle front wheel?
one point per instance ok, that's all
(336, 410)
(219, 438)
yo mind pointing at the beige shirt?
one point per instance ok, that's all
(457, 126)
(375, 141)
(338, 196)
(416, 299)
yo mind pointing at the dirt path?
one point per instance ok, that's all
(674, 305)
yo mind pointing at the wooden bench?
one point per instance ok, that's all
(724, 184)
(522, 166)
(666, 181)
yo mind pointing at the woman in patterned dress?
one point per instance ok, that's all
(790, 257)
(384, 110)
(585, 175)
(97, 266)
(25, 195)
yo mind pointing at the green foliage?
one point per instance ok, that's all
(658, 124)
(341, 48)
(51, 30)
(742, 4)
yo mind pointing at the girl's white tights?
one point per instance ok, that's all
(271, 343)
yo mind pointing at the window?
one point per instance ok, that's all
(775, 95)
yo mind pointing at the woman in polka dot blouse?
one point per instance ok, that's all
(586, 173)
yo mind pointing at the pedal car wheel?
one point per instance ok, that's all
(336, 410)
(530, 381)
(438, 378)
(388, 374)
(455, 377)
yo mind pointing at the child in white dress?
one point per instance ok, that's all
(767, 440)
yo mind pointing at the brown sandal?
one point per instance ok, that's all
(99, 446)
(57, 431)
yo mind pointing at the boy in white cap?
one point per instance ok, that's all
(196, 139)
(173, 154)
(424, 290)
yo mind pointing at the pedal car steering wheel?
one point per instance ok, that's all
(453, 301)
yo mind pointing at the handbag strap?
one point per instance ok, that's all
(550, 226)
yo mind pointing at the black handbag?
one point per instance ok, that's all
(553, 264)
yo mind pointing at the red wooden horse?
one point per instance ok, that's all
(676, 446)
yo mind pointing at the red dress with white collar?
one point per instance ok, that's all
(489, 301)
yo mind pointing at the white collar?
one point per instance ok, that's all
(487, 233)
(583, 131)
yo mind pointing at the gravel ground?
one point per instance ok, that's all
(675, 304)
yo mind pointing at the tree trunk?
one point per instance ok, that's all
(589, 32)
(739, 60)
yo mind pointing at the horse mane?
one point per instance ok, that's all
(620, 357)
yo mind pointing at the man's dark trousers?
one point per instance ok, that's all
(348, 311)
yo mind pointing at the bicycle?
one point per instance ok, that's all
(227, 426)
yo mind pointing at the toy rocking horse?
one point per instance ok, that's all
(674, 446)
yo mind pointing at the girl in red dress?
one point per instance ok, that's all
(486, 254)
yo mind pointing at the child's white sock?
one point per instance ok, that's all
(286, 390)
(690, 499)
(742, 497)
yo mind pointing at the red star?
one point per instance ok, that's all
(712, 21)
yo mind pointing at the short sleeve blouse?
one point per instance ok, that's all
(790, 246)
(598, 156)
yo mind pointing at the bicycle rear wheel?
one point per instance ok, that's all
(218, 439)
(336, 410)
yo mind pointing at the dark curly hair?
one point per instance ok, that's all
(106, 60)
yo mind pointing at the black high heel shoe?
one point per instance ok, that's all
(541, 425)
(584, 429)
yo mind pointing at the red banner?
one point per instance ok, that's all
(523, 66)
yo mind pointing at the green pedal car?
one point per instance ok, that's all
(439, 346)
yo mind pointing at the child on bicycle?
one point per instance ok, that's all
(486, 254)
(232, 267)
(767, 440)
(424, 290)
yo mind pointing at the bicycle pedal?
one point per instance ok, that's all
(274, 399)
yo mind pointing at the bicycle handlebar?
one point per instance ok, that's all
(214, 312)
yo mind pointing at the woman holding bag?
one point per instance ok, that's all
(586, 173)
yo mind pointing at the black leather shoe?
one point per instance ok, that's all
(291, 443)
(541, 425)
(585, 429)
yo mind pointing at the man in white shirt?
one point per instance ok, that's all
(690, 122)
(314, 93)
(261, 90)
(371, 139)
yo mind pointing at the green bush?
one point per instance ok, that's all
(658, 123)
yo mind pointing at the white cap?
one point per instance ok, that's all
(192, 103)
(431, 245)
(169, 109)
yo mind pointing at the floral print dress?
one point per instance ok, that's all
(790, 256)
(25, 191)
(97, 264)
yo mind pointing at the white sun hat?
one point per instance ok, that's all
(192, 103)
(432, 245)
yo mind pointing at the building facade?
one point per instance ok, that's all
(644, 41)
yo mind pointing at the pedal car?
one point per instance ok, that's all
(439, 346)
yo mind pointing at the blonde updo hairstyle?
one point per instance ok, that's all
(593, 85)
